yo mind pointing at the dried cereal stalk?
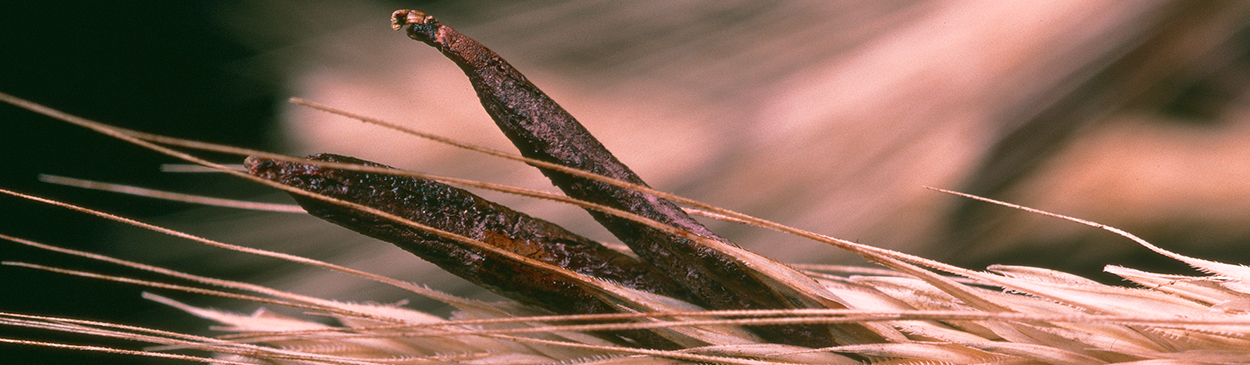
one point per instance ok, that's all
(693, 296)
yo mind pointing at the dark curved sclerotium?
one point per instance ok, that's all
(543, 130)
(458, 211)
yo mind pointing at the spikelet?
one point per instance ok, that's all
(920, 311)
(931, 313)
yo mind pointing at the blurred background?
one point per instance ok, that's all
(828, 116)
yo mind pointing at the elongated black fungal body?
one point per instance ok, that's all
(458, 211)
(543, 130)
